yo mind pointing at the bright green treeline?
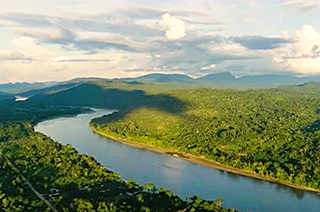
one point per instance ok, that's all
(271, 132)
(73, 182)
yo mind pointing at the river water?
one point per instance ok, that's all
(183, 177)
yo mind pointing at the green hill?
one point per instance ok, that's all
(262, 131)
(272, 132)
(309, 88)
(4, 96)
(117, 96)
(67, 180)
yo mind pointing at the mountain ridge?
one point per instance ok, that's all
(221, 79)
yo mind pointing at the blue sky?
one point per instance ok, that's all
(63, 39)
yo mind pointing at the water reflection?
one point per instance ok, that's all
(183, 177)
(233, 177)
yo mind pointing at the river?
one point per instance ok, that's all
(183, 177)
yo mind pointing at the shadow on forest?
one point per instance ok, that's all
(90, 95)
(313, 127)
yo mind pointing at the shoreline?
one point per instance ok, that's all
(201, 160)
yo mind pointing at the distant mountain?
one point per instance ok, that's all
(217, 78)
(161, 78)
(86, 79)
(20, 87)
(48, 90)
(30, 89)
(310, 79)
(227, 80)
(268, 80)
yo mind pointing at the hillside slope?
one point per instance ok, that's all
(273, 133)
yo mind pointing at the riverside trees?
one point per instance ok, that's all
(271, 132)
(71, 181)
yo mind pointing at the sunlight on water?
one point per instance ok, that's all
(183, 177)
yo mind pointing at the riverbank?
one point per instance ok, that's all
(77, 111)
(202, 161)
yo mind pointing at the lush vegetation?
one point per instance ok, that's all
(111, 95)
(19, 112)
(271, 132)
(32, 166)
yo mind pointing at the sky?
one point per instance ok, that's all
(54, 40)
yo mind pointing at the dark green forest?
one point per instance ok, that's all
(20, 112)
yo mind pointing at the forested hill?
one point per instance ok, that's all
(120, 96)
(274, 133)
(39, 174)
(309, 89)
(4, 96)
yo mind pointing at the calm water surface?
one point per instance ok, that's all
(183, 177)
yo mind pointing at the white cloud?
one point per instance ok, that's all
(306, 39)
(14, 56)
(210, 67)
(62, 67)
(285, 35)
(303, 6)
(305, 65)
(302, 56)
(29, 47)
(6, 23)
(228, 46)
(173, 26)
(41, 33)
(106, 37)
(61, 41)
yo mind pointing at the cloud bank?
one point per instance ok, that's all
(128, 38)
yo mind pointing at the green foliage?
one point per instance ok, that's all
(271, 132)
(92, 95)
(20, 112)
(72, 181)
(14, 131)
(310, 89)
